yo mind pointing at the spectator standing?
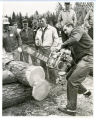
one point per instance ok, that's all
(27, 37)
(11, 40)
(47, 40)
(66, 15)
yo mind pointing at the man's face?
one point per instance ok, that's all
(5, 26)
(15, 26)
(42, 22)
(25, 25)
(67, 29)
(67, 6)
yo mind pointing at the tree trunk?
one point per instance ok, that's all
(8, 77)
(33, 76)
(14, 94)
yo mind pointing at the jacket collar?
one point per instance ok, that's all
(48, 27)
(66, 10)
(25, 29)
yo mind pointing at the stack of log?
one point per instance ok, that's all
(22, 82)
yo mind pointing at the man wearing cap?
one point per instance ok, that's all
(11, 40)
(65, 15)
(27, 37)
(81, 46)
(47, 40)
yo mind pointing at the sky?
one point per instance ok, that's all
(29, 7)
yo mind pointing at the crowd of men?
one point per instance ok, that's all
(46, 40)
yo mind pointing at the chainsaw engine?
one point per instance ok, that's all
(59, 60)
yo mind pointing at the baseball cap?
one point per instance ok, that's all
(24, 21)
(5, 21)
(67, 3)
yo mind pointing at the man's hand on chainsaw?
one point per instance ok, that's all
(54, 49)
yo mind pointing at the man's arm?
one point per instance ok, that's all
(60, 17)
(18, 39)
(74, 18)
(55, 39)
(38, 40)
(86, 19)
(75, 37)
(59, 25)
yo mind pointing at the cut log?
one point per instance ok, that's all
(8, 77)
(15, 93)
(33, 76)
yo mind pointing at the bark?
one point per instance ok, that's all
(8, 77)
(14, 94)
(29, 75)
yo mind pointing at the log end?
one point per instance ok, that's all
(41, 90)
(34, 74)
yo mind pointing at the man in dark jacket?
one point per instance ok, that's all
(11, 40)
(27, 37)
(81, 46)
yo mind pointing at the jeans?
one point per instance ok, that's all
(76, 76)
(90, 32)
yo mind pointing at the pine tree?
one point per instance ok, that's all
(13, 17)
(10, 21)
(20, 20)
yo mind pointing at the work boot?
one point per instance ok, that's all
(87, 93)
(67, 111)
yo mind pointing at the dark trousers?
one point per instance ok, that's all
(76, 76)
(90, 32)
(50, 74)
(24, 56)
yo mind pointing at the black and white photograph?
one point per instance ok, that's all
(47, 58)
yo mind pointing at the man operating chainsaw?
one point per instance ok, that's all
(81, 46)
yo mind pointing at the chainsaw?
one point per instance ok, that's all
(59, 60)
